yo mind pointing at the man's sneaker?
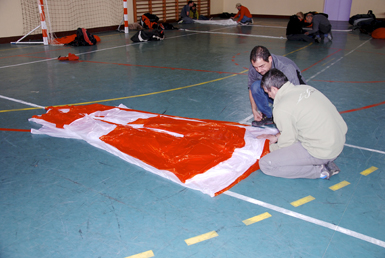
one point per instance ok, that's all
(181, 21)
(317, 39)
(330, 36)
(325, 173)
(332, 167)
(264, 121)
(328, 170)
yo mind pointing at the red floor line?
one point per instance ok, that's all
(349, 81)
(321, 60)
(14, 130)
(27, 54)
(361, 108)
(161, 67)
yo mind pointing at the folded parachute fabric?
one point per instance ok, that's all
(206, 155)
(70, 57)
(217, 22)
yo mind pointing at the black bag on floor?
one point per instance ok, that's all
(355, 20)
(148, 35)
(83, 38)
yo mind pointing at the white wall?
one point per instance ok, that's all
(275, 7)
(12, 23)
(11, 19)
(362, 6)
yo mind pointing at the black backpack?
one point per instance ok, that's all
(355, 20)
(226, 15)
(148, 35)
(83, 38)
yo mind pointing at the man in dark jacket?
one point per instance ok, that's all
(294, 29)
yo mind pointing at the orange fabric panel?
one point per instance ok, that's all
(66, 39)
(59, 118)
(266, 150)
(204, 145)
(70, 38)
(378, 33)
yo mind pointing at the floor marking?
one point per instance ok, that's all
(322, 60)
(126, 97)
(257, 218)
(201, 238)
(236, 34)
(146, 254)
(244, 121)
(362, 148)
(303, 201)
(349, 81)
(308, 219)
(22, 102)
(336, 61)
(368, 171)
(14, 130)
(362, 108)
(339, 185)
(159, 67)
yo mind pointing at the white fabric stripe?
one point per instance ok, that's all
(22, 102)
(308, 219)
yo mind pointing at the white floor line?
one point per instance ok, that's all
(363, 148)
(308, 219)
(245, 120)
(237, 34)
(94, 51)
(312, 77)
(21, 101)
(281, 27)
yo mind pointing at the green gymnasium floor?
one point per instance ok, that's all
(64, 198)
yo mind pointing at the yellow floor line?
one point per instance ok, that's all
(339, 185)
(303, 201)
(368, 171)
(129, 97)
(142, 255)
(257, 218)
(201, 238)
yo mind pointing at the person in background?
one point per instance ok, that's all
(194, 14)
(321, 27)
(294, 31)
(312, 132)
(245, 18)
(185, 13)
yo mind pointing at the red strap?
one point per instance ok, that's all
(85, 36)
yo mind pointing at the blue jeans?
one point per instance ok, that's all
(245, 19)
(261, 99)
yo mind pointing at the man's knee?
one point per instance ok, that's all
(256, 87)
(266, 166)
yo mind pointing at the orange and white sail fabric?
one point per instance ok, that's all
(206, 155)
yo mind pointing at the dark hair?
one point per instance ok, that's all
(273, 78)
(259, 52)
(189, 2)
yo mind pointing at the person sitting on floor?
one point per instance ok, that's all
(185, 13)
(294, 31)
(194, 14)
(312, 132)
(245, 18)
(321, 26)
